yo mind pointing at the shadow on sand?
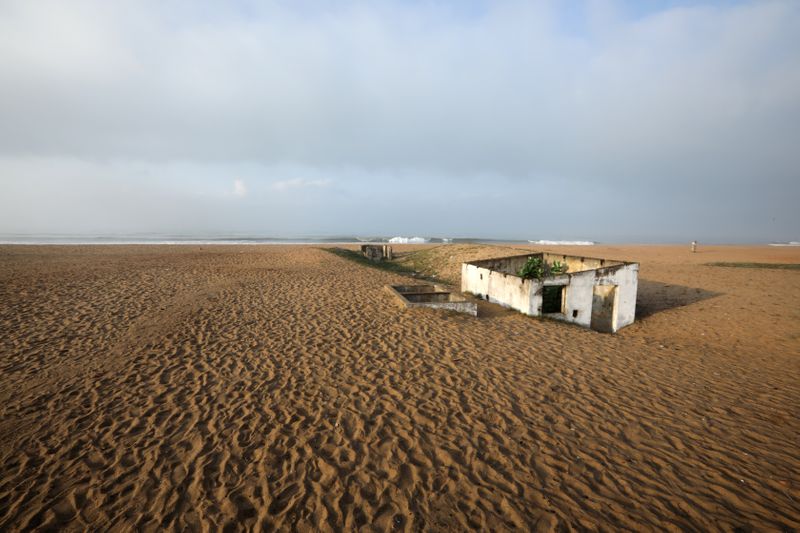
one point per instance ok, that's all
(654, 297)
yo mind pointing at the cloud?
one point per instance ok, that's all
(681, 114)
(507, 89)
(300, 183)
(239, 188)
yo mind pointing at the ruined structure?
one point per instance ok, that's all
(433, 296)
(595, 293)
(376, 252)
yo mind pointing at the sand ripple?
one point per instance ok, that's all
(277, 387)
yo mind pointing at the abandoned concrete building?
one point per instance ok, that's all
(595, 293)
(376, 252)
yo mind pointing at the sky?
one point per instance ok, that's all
(645, 121)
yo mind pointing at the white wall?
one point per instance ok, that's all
(504, 289)
(626, 278)
(509, 290)
(579, 297)
(474, 279)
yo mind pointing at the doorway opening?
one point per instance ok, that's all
(604, 308)
(553, 299)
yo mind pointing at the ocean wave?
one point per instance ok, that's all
(790, 243)
(545, 242)
(408, 240)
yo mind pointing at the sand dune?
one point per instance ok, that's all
(278, 387)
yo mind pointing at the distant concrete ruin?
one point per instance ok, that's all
(433, 296)
(596, 293)
(377, 252)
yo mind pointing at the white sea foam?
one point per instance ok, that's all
(790, 243)
(562, 243)
(408, 240)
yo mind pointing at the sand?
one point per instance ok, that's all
(280, 387)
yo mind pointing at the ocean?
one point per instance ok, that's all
(239, 239)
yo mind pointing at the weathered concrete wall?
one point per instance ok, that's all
(578, 298)
(508, 290)
(507, 265)
(579, 264)
(626, 278)
(475, 279)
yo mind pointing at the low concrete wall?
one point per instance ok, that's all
(433, 297)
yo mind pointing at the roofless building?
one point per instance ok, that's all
(596, 293)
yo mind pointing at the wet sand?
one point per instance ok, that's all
(260, 387)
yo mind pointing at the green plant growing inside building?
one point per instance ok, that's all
(532, 269)
(558, 267)
(537, 268)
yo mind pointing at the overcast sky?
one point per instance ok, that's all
(601, 120)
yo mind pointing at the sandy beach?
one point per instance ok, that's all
(279, 387)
